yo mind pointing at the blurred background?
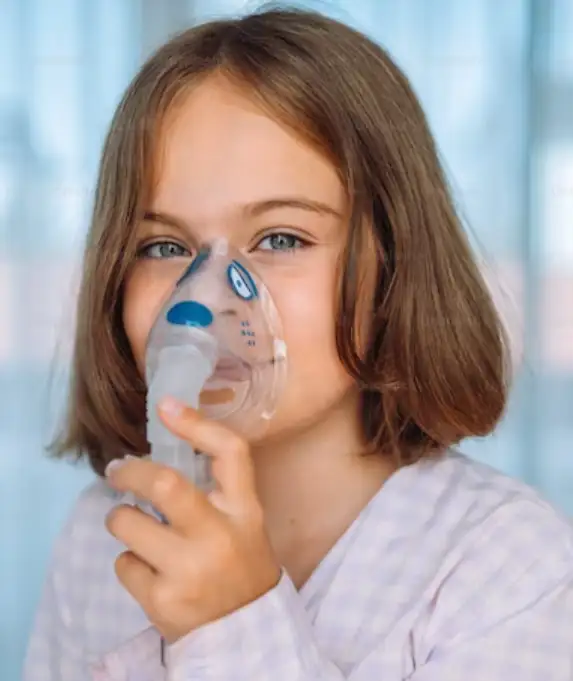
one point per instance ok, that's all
(496, 79)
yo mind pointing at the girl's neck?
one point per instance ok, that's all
(313, 485)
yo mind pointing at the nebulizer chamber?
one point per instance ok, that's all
(216, 346)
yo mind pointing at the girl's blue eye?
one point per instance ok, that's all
(280, 241)
(164, 249)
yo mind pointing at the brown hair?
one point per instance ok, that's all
(416, 328)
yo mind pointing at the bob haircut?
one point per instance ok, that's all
(416, 325)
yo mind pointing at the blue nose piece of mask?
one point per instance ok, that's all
(190, 313)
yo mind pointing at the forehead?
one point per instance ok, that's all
(219, 149)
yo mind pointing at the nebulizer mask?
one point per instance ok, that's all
(216, 346)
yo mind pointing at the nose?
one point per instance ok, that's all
(190, 313)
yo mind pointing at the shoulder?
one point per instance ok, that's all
(463, 496)
(506, 554)
(95, 499)
(481, 512)
(84, 552)
(509, 539)
(84, 533)
(91, 602)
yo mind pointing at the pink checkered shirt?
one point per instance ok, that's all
(452, 572)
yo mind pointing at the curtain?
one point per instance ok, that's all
(496, 81)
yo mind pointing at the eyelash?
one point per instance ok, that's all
(144, 252)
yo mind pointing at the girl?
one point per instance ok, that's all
(350, 542)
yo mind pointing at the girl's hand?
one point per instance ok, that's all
(214, 556)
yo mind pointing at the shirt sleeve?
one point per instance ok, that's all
(135, 660)
(271, 638)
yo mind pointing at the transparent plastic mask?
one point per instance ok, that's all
(220, 322)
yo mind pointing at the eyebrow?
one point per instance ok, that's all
(254, 209)
(259, 207)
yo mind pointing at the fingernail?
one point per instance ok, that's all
(118, 463)
(171, 406)
(113, 466)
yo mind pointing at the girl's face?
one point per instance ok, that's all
(228, 170)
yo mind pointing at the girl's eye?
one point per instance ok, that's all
(164, 249)
(281, 241)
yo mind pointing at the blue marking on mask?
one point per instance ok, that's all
(190, 313)
(241, 281)
(194, 267)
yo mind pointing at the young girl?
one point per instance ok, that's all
(350, 541)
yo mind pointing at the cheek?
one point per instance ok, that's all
(308, 317)
(143, 297)
(317, 381)
(308, 322)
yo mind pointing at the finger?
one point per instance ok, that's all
(137, 577)
(231, 461)
(174, 496)
(156, 544)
